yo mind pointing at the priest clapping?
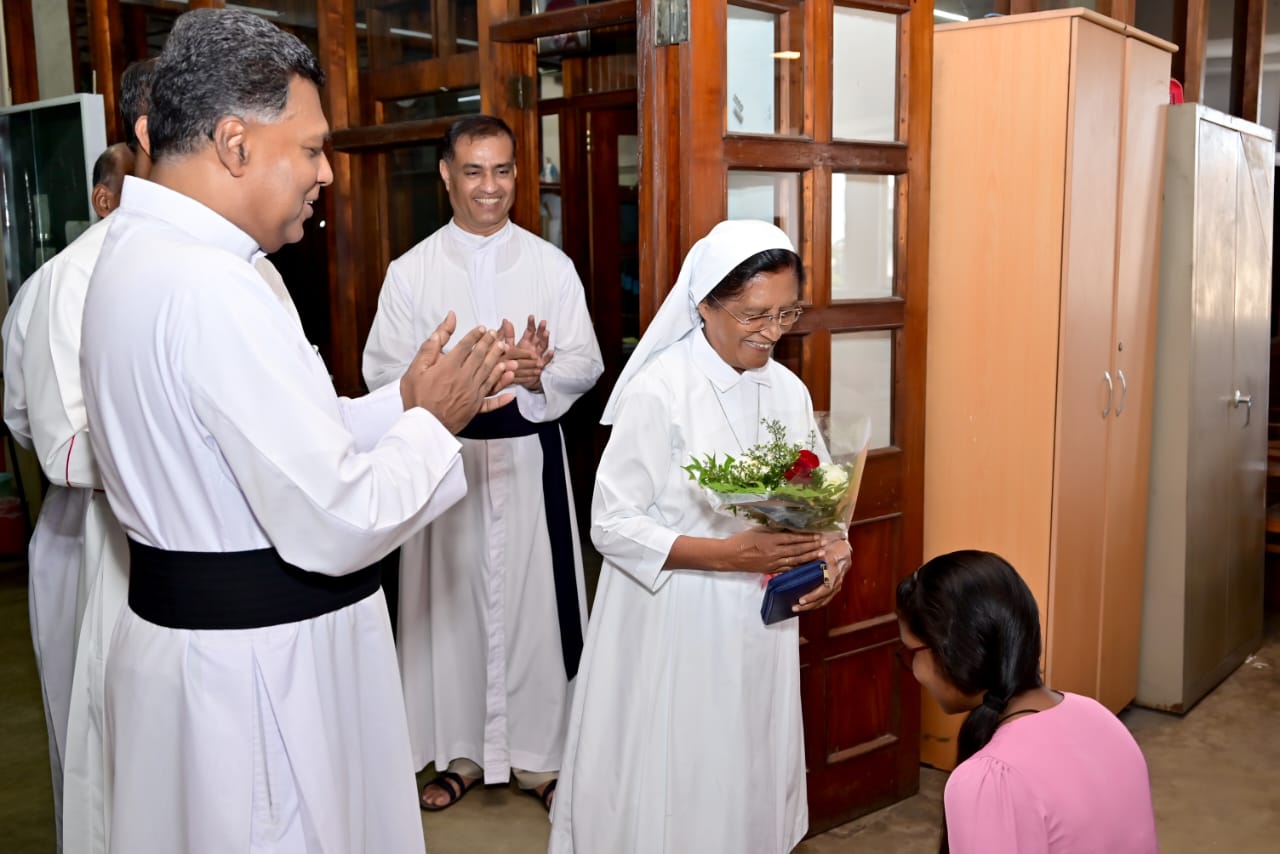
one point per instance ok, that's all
(453, 387)
(531, 353)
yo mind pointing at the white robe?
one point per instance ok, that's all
(479, 637)
(59, 428)
(217, 429)
(42, 386)
(686, 732)
(14, 334)
(51, 371)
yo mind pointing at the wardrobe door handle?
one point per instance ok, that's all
(1111, 390)
(1247, 400)
(1124, 392)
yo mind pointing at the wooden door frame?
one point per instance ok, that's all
(20, 51)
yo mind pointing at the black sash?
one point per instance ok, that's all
(235, 590)
(508, 423)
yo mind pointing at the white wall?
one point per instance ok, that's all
(54, 67)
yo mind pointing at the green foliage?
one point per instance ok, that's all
(755, 486)
(760, 469)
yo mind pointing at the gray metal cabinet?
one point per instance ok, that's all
(1202, 603)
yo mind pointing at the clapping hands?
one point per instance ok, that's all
(455, 386)
(531, 353)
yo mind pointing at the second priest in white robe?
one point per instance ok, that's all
(480, 643)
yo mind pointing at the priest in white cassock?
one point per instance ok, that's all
(686, 734)
(68, 542)
(252, 698)
(492, 600)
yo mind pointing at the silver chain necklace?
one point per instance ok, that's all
(742, 446)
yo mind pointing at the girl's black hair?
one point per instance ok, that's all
(978, 618)
(768, 261)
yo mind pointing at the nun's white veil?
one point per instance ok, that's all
(708, 262)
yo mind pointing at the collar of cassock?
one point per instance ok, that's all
(722, 375)
(187, 214)
(478, 241)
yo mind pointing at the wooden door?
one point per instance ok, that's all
(814, 114)
(995, 284)
(1132, 364)
(592, 209)
(1247, 426)
(1087, 390)
(1211, 542)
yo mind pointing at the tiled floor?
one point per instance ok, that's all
(1215, 772)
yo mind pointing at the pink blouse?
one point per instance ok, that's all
(1067, 780)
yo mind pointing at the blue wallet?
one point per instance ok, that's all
(785, 589)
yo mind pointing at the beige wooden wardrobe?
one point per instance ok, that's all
(1048, 142)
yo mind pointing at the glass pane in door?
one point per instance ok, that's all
(431, 105)
(770, 196)
(417, 203)
(862, 384)
(764, 77)
(393, 32)
(549, 181)
(298, 18)
(629, 238)
(864, 75)
(862, 236)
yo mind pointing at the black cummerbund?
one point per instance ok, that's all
(235, 590)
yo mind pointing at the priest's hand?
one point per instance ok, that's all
(530, 353)
(453, 386)
(838, 555)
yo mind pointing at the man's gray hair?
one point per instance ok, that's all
(218, 63)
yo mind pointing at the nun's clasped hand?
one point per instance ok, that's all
(839, 556)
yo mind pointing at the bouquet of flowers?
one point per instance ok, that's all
(785, 486)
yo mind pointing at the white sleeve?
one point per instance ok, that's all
(576, 364)
(392, 341)
(371, 416)
(51, 371)
(324, 505)
(13, 333)
(633, 469)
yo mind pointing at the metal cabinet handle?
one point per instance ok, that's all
(1247, 400)
(1124, 392)
(1111, 390)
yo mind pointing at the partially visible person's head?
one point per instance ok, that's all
(135, 103)
(108, 177)
(746, 312)
(972, 630)
(235, 121)
(478, 167)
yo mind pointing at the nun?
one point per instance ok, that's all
(685, 732)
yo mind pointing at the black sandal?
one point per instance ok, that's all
(451, 784)
(547, 792)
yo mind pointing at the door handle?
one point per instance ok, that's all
(1111, 390)
(1124, 392)
(1247, 400)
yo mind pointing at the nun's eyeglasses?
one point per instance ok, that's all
(785, 318)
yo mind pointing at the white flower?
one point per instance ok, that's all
(833, 475)
(751, 468)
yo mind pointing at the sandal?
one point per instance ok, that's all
(547, 791)
(451, 784)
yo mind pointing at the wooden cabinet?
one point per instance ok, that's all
(1048, 140)
(1205, 534)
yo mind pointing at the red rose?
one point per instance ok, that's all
(803, 467)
